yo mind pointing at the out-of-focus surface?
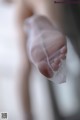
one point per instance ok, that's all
(67, 95)
(10, 61)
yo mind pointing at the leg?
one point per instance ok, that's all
(40, 24)
(26, 67)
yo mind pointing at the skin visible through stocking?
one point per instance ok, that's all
(49, 48)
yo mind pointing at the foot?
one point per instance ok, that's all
(48, 46)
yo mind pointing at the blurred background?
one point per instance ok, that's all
(48, 101)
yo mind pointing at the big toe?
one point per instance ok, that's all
(45, 69)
